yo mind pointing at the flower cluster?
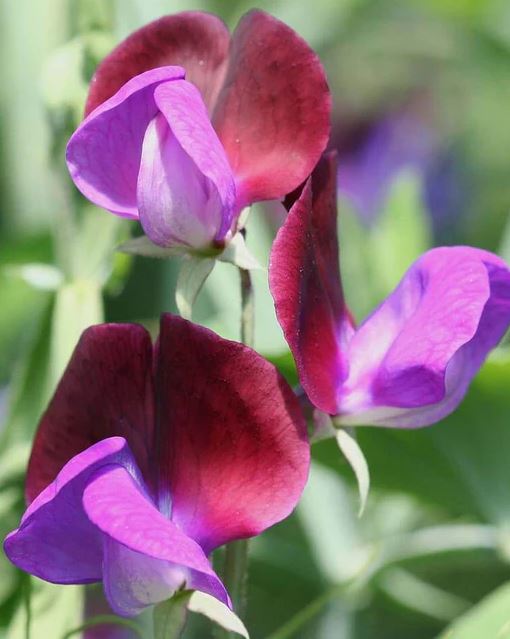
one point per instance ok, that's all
(149, 457)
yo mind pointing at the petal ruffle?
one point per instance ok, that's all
(197, 41)
(103, 154)
(55, 540)
(146, 556)
(411, 361)
(106, 390)
(306, 287)
(234, 453)
(272, 114)
(186, 189)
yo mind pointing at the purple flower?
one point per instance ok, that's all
(148, 458)
(410, 362)
(395, 142)
(184, 156)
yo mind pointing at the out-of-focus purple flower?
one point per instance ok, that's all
(393, 143)
(187, 125)
(149, 458)
(410, 362)
(371, 156)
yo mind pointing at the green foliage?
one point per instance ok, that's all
(434, 540)
(490, 618)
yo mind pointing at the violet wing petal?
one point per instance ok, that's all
(234, 452)
(146, 556)
(412, 360)
(307, 290)
(103, 155)
(273, 110)
(55, 540)
(106, 390)
(194, 40)
(186, 190)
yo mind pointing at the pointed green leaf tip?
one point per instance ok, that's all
(238, 254)
(217, 612)
(170, 615)
(350, 448)
(194, 271)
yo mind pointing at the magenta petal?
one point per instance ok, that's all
(147, 557)
(412, 360)
(305, 284)
(234, 451)
(273, 111)
(103, 154)
(55, 540)
(106, 390)
(197, 41)
(186, 189)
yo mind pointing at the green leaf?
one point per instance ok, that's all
(44, 277)
(78, 305)
(30, 389)
(349, 446)
(192, 275)
(170, 616)
(97, 236)
(217, 612)
(54, 611)
(490, 619)
(459, 464)
(238, 254)
(143, 246)
(401, 234)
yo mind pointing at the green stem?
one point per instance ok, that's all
(247, 308)
(236, 553)
(27, 595)
(304, 616)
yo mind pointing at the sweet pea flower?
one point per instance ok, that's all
(409, 363)
(148, 458)
(187, 125)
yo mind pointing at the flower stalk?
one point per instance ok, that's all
(235, 571)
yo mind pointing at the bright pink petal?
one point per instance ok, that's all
(55, 540)
(273, 111)
(147, 557)
(186, 189)
(234, 453)
(412, 360)
(106, 390)
(196, 41)
(103, 154)
(305, 284)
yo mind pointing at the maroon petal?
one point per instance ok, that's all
(196, 41)
(306, 287)
(273, 111)
(105, 391)
(234, 453)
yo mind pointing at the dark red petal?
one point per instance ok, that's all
(305, 283)
(106, 390)
(196, 41)
(234, 453)
(273, 111)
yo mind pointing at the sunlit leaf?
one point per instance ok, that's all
(217, 612)
(488, 619)
(350, 448)
(192, 276)
(78, 305)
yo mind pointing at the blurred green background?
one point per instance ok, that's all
(421, 93)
